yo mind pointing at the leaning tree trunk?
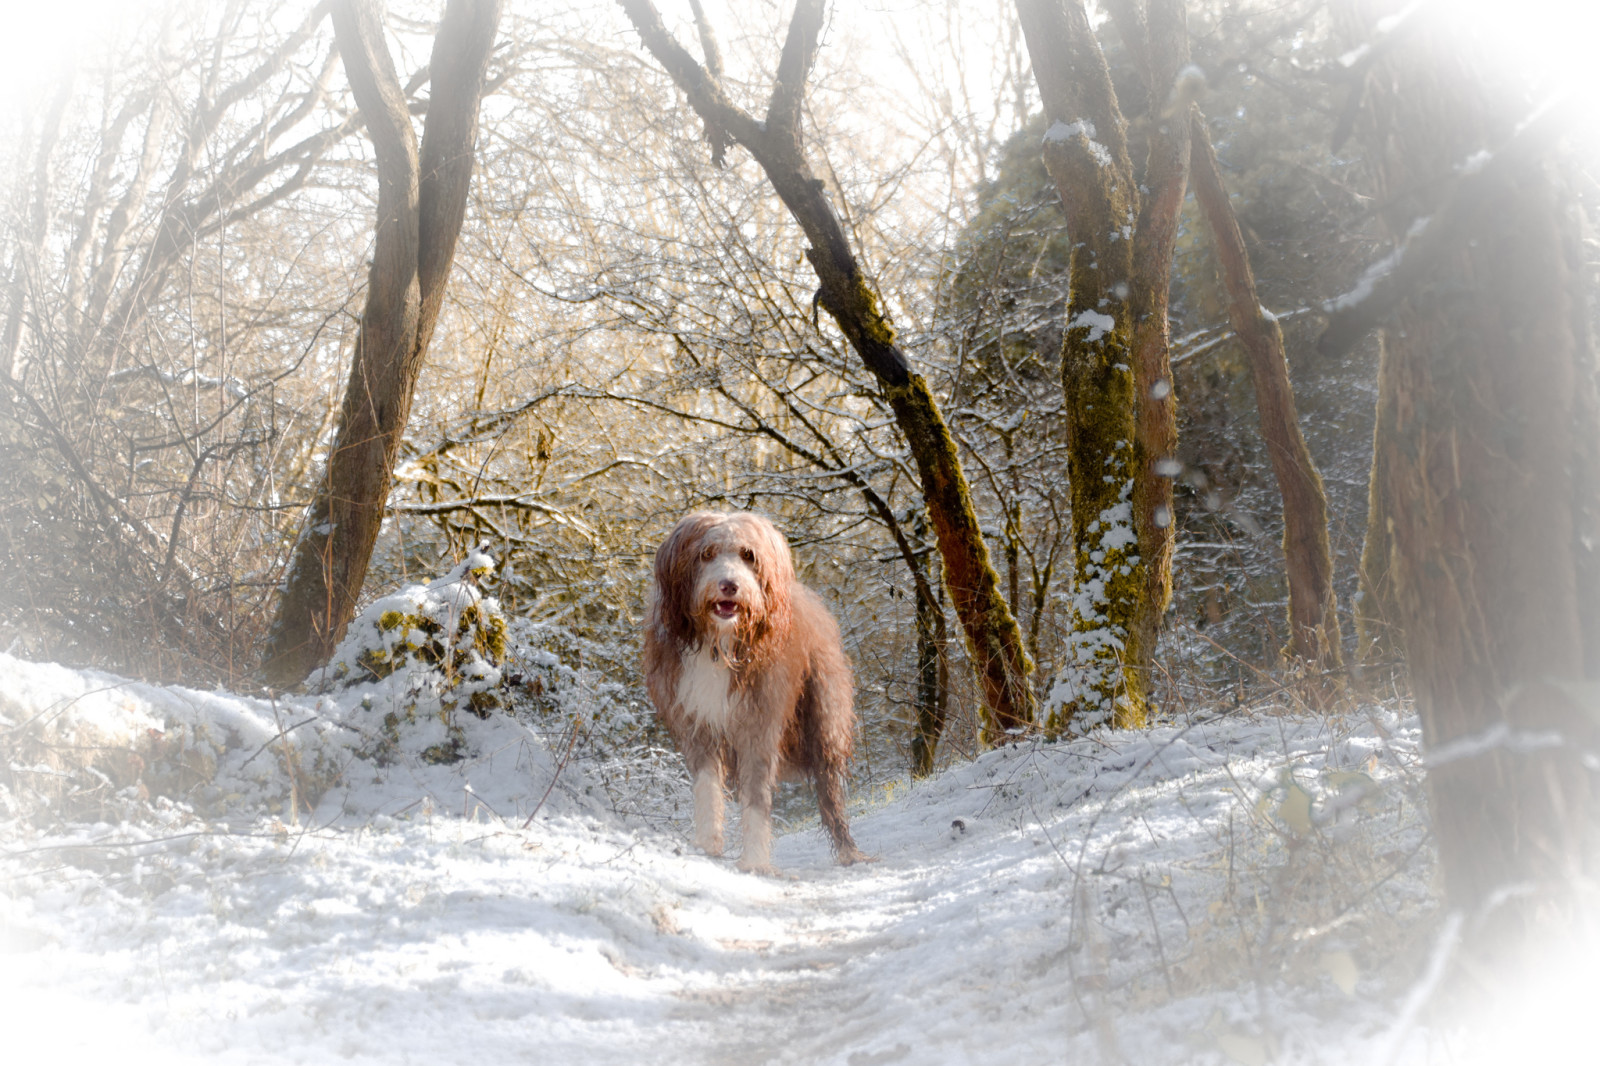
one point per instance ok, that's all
(1487, 465)
(1308, 560)
(421, 203)
(1115, 365)
(993, 636)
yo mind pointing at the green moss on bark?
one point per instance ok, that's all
(1103, 681)
(994, 640)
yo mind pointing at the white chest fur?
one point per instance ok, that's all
(705, 690)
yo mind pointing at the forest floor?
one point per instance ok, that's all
(1245, 889)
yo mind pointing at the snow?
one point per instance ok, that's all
(182, 379)
(1389, 23)
(422, 652)
(1097, 322)
(1475, 162)
(1384, 27)
(1182, 894)
(1364, 286)
(1066, 131)
(1355, 55)
(1090, 676)
(1376, 272)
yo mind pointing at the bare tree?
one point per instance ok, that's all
(422, 199)
(1308, 559)
(33, 230)
(150, 409)
(777, 143)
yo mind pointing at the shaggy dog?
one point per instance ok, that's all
(746, 670)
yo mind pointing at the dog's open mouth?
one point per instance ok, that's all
(726, 610)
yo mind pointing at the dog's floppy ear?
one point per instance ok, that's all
(676, 563)
(775, 567)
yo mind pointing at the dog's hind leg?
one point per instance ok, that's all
(829, 783)
(824, 706)
(708, 805)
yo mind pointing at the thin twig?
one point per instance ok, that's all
(577, 726)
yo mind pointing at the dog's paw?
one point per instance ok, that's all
(854, 855)
(760, 869)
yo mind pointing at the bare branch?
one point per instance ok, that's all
(1478, 183)
(704, 91)
(794, 67)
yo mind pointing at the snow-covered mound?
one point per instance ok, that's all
(409, 714)
(427, 658)
(83, 746)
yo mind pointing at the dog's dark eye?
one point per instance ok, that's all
(709, 553)
(747, 555)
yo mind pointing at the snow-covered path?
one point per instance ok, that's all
(1134, 897)
(453, 941)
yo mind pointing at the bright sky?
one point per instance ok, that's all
(1560, 38)
(38, 37)
(1557, 38)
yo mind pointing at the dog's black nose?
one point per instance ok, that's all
(728, 588)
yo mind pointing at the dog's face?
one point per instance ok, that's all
(727, 588)
(721, 574)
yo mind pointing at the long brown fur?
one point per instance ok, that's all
(777, 660)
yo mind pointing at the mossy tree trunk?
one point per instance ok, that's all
(1115, 366)
(1486, 466)
(422, 197)
(1314, 638)
(993, 636)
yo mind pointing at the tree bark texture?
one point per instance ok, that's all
(1314, 637)
(1485, 469)
(1115, 365)
(993, 636)
(932, 701)
(1377, 642)
(421, 204)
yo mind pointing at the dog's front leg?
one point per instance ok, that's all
(756, 780)
(708, 807)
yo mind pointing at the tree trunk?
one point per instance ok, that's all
(1377, 642)
(993, 636)
(1486, 470)
(1115, 366)
(932, 701)
(1308, 560)
(1164, 38)
(421, 205)
(31, 239)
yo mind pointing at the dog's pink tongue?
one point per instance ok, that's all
(725, 608)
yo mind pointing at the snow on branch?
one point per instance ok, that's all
(1480, 180)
